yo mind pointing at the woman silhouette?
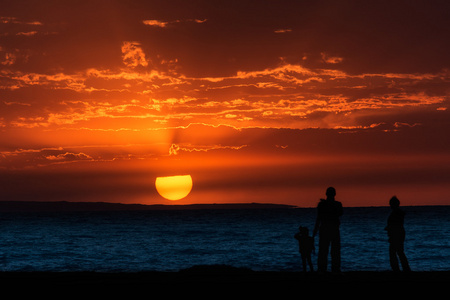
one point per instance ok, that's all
(396, 234)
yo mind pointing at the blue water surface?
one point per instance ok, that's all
(259, 239)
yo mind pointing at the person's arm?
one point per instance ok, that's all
(316, 226)
(318, 219)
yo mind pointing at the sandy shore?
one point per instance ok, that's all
(227, 280)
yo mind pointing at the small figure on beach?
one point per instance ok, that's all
(327, 224)
(305, 247)
(396, 234)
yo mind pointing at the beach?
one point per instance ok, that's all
(223, 280)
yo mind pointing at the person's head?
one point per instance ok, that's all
(394, 202)
(331, 192)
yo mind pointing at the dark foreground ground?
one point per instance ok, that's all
(221, 281)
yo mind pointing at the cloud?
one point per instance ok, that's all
(176, 149)
(12, 26)
(29, 158)
(112, 87)
(69, 157)
(155, 23)
(285, 96)
(286, 30)
(331, 59)
(16, 79)
(28, 33)
(133, 55)
(9, 59)
(164, 24)
(14, 20)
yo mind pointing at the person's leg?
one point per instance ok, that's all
(311, 268)
(322, 257)
(336, 252)
(303, 262)
(393, 257)
(403, 259)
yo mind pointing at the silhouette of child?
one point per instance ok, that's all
(305, 247)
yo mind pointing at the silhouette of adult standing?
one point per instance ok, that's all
(396, 234)
(327, 223)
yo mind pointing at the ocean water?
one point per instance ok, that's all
(259, 239)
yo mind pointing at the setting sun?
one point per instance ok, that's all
(174, 187)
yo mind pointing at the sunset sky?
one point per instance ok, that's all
(259, 101)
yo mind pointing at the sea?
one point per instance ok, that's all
(173, 240)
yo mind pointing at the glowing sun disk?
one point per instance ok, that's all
(174, 187)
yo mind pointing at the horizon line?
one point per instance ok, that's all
(129, 205)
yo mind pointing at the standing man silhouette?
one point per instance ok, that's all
(396, 234)
(327, 223)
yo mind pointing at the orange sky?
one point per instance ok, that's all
(260, 101)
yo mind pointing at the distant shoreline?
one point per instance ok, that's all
(67, 206)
